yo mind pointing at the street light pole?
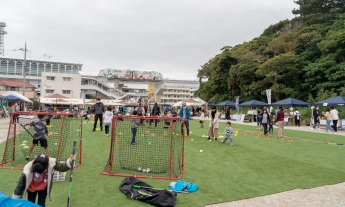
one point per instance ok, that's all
(24, 67)
(24, 72)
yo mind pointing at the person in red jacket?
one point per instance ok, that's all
(280, 119)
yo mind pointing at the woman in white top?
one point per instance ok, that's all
(335, 117)
(202, 119)
(214, 125)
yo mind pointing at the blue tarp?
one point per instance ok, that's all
(336, 101)
(6, 201)
(291, 102)
(208, 104)
(13, 98)
(253, 103)
(226, 103)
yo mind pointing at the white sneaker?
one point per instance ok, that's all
(319, 129)
(232, 144)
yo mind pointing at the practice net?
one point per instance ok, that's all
(62, 130)
(159, 151)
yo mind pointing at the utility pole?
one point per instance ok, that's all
(24, 67)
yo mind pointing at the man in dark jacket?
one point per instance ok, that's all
(98, 110)
(316, 115)
(155, 112)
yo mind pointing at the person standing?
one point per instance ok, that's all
(316, 114)
(37, 178)
(15, 108)
(214, 125)
(185, 114)
(155, 112)
(335, 116)
(98, 110)
(108, 118)
(328, 117)
(280, 119)
(270, 123)
(297, 117)
(227, 113)
(265, 119)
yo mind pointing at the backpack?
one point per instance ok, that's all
(155, 197)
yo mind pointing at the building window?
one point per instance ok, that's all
(66, 79)
(50, 78)
(14, 89)
(66, 92)
(49, 91)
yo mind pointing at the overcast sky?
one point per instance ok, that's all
(172, 37)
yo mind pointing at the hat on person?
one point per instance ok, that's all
(184, 104)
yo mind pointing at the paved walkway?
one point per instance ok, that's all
(328, 195)
(4, 123)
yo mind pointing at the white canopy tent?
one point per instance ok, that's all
(17, 95)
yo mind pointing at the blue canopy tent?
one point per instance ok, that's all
(14, 98)
(6, 201)
(291, 102)
(3, 97)
(253, 103)
(208, 104)
(226, 104)
(336, 101)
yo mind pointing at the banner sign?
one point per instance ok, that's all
(5, 111)
(3, 103)
(237, 104)
(268, 92)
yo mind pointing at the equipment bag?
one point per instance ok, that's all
(146, 194)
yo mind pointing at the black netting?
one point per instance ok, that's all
(62, 130)
(159, 148)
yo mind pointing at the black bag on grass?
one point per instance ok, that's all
(154, 197)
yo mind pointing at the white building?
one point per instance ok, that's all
(12, 69)
(68, 85)
(177, 90)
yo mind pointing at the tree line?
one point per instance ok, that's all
(303, 58)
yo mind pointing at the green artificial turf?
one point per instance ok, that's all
(252, 167)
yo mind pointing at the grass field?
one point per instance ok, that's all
(252, 167)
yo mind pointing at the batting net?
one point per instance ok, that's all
(62, 130)
(159, 151)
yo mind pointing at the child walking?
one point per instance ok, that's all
(202, 118)
(135, 125)
(228, 133)
(270, 130)
(40, 129)
(108, 117)
(37, 178)
(258, 120)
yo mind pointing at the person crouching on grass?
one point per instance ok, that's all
(228, 133)
(135, 125)
(37, 178)
(40, 129)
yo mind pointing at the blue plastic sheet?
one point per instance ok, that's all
(6, 201)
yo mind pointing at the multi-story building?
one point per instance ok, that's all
(178, 90)
(12, 69)
(68, 85)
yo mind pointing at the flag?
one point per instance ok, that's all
(268, 92)
(237, 104)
